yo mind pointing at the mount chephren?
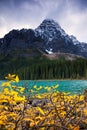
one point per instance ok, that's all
(48, 38)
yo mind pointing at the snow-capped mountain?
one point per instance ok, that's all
(48, 37)
(56, 39)
(49, 29)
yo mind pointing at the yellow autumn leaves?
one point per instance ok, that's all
(47, 88)
(40, 111)
(13, 78)
(11, 102)
(10, 78)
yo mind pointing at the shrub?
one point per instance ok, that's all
(52, 110)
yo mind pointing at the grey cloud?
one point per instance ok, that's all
(70, 14)
(82, 4)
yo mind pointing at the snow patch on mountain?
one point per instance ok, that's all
(49, 51)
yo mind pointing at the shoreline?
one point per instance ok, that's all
(47, 79)
(53, 79)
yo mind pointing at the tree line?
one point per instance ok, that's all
(55, 69)
(30, 69)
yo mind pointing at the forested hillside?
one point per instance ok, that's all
(45, 69)
(55, 69)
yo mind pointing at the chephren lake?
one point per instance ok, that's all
(72, 86)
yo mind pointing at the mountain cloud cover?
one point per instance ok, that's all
(70, 14)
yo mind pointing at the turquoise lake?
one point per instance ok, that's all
(73, 86)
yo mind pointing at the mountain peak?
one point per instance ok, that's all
(49, 29)
(50, 21)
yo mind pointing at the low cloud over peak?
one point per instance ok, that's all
(70, 14)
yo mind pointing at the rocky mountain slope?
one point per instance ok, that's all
(48, 38)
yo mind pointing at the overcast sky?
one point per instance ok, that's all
(70, 14)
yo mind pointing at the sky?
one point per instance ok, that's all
(70, 14)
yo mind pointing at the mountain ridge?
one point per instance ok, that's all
(48, 37)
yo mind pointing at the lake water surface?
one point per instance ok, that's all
(73, 86)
